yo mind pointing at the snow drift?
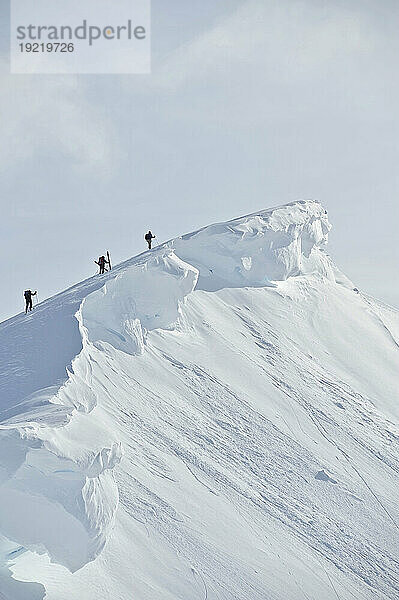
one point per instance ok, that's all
(259, 248)
(136, 301)
(216, 417)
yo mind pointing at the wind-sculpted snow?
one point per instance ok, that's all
(141, 299)
(261, 248)
(49, 488)
(226, 426)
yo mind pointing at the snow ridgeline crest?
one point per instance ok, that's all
(137, 301)
(55, 478)
(260, 248)
(256, 250)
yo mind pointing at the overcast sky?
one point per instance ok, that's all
(250, 104)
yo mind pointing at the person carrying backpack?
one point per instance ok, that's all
(148, 238)
(28, 299)
(102, 261)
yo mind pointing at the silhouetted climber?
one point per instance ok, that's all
(102, 261)
(28, 299)
(148, 238)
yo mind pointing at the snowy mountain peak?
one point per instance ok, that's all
(257, 249)
(217, 416)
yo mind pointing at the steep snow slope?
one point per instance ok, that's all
(226, 429)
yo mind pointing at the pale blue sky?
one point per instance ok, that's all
(250, 104)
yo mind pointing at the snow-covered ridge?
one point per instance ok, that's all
(59, 446)
(45, 480)
(137, 301)
(261, 248)
(50, 479)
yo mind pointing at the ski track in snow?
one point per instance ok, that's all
(260, 449)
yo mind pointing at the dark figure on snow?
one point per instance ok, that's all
(148, 238)
(101, 262)
(28, 299)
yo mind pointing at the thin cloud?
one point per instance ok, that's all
(42, 115)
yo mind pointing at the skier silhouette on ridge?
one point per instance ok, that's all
(101, 262)
(28, 299)
(148, 238)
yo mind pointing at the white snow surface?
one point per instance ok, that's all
(214, 419)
